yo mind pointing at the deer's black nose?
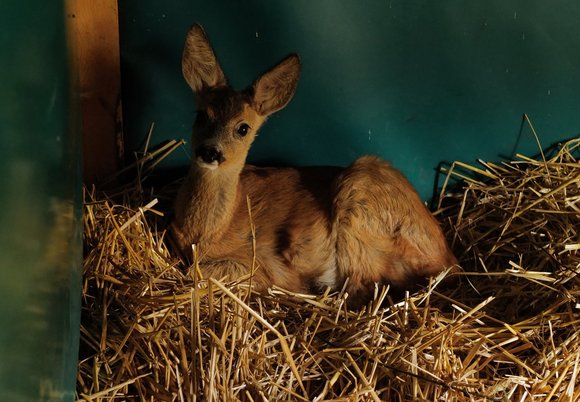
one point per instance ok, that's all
(209, 154)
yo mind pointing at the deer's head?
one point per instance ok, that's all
(227, 120)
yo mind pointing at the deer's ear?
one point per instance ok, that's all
(199, 64)
(275, 88)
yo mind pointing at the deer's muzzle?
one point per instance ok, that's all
(209, 155)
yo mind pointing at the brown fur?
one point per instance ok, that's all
(314, 227)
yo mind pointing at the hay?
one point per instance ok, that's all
(509, 330)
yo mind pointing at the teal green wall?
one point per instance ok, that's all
(417, 82)
(40, 230)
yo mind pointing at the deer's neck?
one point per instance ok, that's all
(205, 204)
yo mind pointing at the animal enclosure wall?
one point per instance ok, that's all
(415, 82)
(40, 230)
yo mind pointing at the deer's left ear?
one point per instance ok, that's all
(275, 88)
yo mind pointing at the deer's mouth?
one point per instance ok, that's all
(210, 166)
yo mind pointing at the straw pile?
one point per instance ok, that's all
(509, 330)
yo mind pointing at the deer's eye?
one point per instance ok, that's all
(243, 129)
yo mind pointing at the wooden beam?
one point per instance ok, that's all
(93, 28)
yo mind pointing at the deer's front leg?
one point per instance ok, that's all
(225, 270)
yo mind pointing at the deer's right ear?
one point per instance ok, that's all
(200, 67)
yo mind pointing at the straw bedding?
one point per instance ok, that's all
(508, 328)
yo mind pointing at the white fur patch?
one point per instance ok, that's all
(211, 166)
(328, 278)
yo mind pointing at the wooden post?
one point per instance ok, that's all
(94, 39)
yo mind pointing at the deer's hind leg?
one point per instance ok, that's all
(384, 232)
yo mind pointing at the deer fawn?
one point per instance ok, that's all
(314, 226)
